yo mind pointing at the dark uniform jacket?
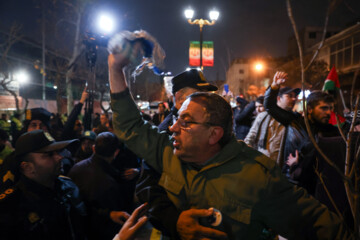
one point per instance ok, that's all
(29, 210)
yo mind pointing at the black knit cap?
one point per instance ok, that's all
(192, 78)
(38, 141)
(38, 114)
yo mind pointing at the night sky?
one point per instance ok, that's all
(246, 28)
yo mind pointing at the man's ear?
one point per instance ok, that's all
(93, 148)
(309, 110)
(215, 135)
(116, 152)
(26, 167)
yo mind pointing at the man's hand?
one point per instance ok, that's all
(293, 159)
(117, 61)
(188, 226)
(119, 216)
(133, 224)
(279, 78)
(84, 96)
(130, 173)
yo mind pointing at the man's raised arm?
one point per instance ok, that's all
(140, 137)
(116, 73)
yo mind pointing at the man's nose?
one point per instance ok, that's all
(58, 156)
(175, 127)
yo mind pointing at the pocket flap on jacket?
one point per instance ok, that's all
(170, 184)
(238, 212)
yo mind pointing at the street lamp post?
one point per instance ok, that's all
(259, 68)
(263, 69)
(214, 15)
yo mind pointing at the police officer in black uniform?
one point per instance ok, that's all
(41, 205)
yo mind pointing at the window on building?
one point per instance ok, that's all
(333, 48)
(347, 57)
(241, 71)
(356, 38)
(356, 54)
(340, 59)
(312, 35)
(339, 45)
(333, 59)
(345, 53)
(348, 42)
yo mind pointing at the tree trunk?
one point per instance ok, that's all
(69, 93)
(76, 53)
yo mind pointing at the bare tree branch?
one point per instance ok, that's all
(353, 87)
(328, 194)
(303, 89)
(339, 128)
(348, 143)
(352, 194)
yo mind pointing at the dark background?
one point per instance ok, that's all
(246, 28)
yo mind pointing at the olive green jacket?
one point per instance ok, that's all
(246, 186)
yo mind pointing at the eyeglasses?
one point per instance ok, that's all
(185, 125)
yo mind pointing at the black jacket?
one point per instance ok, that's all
(243, 119)
(156, 119)
(102, 188)
(168, 121)
(29, 210)
(68, 131)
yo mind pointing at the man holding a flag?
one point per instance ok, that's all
(332, 86)
(301, 158)
(298, 151)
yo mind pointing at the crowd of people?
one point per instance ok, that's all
(253, 167)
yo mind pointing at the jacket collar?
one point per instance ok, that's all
(227, 153)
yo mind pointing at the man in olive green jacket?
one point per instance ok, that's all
(203, 166)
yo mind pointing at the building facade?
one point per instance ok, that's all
(244, 78)
(342, 50)
(308, 37)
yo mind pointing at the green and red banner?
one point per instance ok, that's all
(332, 81)
(207, 54)
(194, 54)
